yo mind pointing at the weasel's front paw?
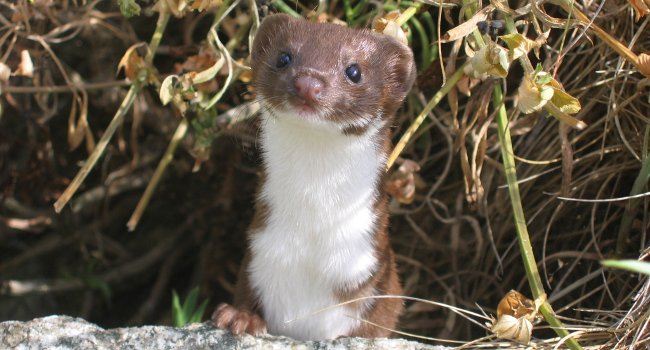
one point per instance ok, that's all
(238, 321)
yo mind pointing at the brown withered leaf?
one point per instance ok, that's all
(26, 66)
(509, 327)
(643, 64)
(198, 63)
(468, 26)
(515, 317)
(641, 8)
(402, 183)
(515, 304)
(132, 61)
(5, 73)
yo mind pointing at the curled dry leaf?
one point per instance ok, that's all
(131, 61)
(641, 8)
(539, 89)
(517, 329)
(5, 73)
(26, 66)
(643, 64)
(388, 25)
(519, 45)
(203, 61)
(402, 183)
(468, 26)
(491, 59)
(515, 304)
(515, 317)
(531, 96)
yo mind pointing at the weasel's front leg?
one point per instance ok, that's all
(240, 317)
(238, 321)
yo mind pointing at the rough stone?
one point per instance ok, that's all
(64, 332)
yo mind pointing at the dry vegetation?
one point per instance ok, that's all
(456, 238)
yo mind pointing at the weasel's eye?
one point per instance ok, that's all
(283, 60)
(353, 73)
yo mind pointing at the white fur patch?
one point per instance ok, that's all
(320, 190)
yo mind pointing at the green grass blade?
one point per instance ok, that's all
(637, 266)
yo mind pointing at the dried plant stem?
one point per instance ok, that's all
(99, 149)
(181, 130)
(615, 44)
(117, 120)
(525, 246)
(444, 90)
(633, 205)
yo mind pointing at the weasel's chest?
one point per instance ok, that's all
(296, 277)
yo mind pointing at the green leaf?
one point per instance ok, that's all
(187, 312)
(190, 303)
(542, 78)
(129, 8)
(637, 266)
(197, 316)
(177, 312)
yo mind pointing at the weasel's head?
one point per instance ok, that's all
(329, 75)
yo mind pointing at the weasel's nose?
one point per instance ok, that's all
(308, 88)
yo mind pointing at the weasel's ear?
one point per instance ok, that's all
(401, 67)
(268, 32)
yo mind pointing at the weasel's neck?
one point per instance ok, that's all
(325, 174)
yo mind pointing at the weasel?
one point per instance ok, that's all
(328, 96)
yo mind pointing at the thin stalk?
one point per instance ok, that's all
(525, 247)
(615, 44)
(633, 206)
(117, 120)
(424, 42)
(444, 90)
(283, 7)
(179, 134)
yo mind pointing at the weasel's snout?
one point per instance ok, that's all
(309, 88)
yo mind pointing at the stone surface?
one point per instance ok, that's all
(64, 332)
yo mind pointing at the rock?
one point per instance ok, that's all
(64, 332)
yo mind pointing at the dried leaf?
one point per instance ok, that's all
(515, 304)
(492, 59)
(26, 66)
(167, 89)
(468, 26)
(565, 102)
(518, 44)
(402, 183)
(509, 327)
(131, 62)
(643, 64)
(641, 8)
(388, 25)
(5, 72)
(529, 99)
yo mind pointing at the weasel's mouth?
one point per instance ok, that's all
(303, 108)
